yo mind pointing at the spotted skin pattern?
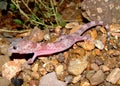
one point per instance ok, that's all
(63, 43)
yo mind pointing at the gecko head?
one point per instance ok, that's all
(22, 47)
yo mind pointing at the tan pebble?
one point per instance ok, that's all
(88, 45)
(42, 71)
(66, 54)
(35, 68)
(94, 66)
(11, 68)
(93, 34)
(102, 29)
(88, 67)
(26, 77)
(104, 68)
(49, 67)
(114, 76)
(36, 35)
(75, 28)
(71, 24)
(96, 52)
(77, 66)
(115, 29)
(118, 82)
(57, 29)
(59, 69)
(79, 51)
(54, 62)
(35, 75)
(33, 83)
(76, 79)
(75, 46)
(85, 83)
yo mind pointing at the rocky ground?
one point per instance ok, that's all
(94, 62)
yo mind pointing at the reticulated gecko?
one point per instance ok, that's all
(63, 43)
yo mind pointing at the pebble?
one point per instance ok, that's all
(36, 35)
(94, 66)
(85, 83)
(42, 71)
(77, 66)
(3, 60)
(97, 78)
(50, 79)
(47, 37)
(59, 69)
(33, 83)
(12, 68)
(4, 82)
(71, 24)
(68, 79)
(99, 44)
(35, 68)
(89, 74)
(87, 45)
(93, 34)
(76, 79)
(35, 75)
(114, 76)
(104, 68)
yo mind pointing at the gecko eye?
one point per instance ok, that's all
(14, 47)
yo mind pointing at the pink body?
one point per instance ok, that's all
(63, 43)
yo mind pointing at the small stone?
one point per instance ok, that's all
(33, 83)
(36, 35)
(61, 58)
(3, 60)
(85, 83)
(75, 28)
(68, 79)
(49, 67)
(59, 69)
(94, 67)
(58, 30)
(42, 71)
(99, 44)
(11, 68)
(88, 45)
(76, 79)
(71, 24)
(35, 75)
(104, 68)
(93, 34)
(114, 76)
(97, 78)
(51, 80)
(35, 68)
(4, 82)
(47, 36)
(77, 66)
(89, 74)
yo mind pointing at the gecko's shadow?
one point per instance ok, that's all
(21, 56)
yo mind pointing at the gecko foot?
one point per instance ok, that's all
(30, 61)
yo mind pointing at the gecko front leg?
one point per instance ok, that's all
(31, 60)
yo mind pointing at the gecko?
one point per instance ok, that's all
(61, 44)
